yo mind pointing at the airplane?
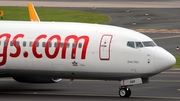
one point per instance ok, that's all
(46, 52)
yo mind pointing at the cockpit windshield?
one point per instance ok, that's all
(133, 44)
(149, 44)
(139, 45)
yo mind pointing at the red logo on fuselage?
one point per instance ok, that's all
(49, 55)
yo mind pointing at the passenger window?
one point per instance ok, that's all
(24, 43)
(67, 45)
(131, 44)
(139, 45)
(43, 44)
(37, 44)
(5, 43)
(62, 44)
(17, 43)
(55, 44)
(80, 45)
(30, 44)
(11, 43)
(49, 44)
(73, 45)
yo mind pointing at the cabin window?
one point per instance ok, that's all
(73, 45)
(139, 45)
(43, 44)
(11, 43)
(67, 45)
(30, 44)
(37, 44)
(55, 44)
(80, 45)
(17, 43)
(5, 43)
(24, 43)
(130, 44)
(49, 44)
(62, 44)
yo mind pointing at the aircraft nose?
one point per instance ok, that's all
(163, 59)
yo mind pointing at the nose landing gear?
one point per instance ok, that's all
(124, 92)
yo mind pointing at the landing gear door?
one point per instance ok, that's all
(105, 46)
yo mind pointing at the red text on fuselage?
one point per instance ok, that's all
(49, 55)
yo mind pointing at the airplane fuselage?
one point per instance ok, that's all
(76, 51)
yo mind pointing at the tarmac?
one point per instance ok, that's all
(162, 87)
(161, 19)
(157, 16)
(96, 3)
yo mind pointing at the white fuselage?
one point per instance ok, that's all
(92, 51)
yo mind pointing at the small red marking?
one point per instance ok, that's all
(25, 54)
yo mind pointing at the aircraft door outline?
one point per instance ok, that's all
(105, 46)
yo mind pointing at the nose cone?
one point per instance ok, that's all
(163, 60)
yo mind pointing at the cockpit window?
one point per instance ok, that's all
(149, 44)
(130, 44)
(139, 45)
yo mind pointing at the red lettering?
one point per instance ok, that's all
(4, 53)
(18, 48)
(76, 40)
(34, 46)
(49, 55)
(57, 47)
